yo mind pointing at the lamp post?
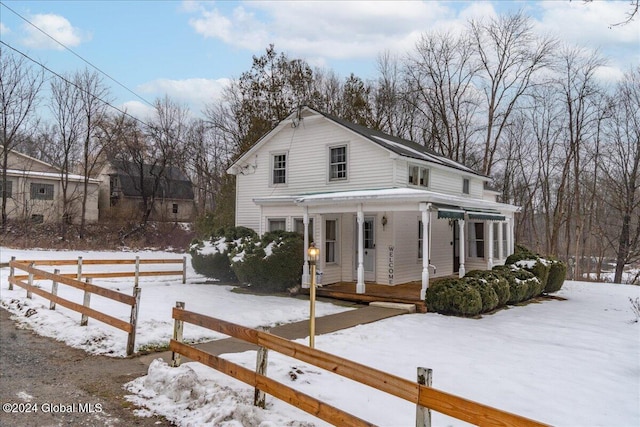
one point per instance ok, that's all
(313, 255)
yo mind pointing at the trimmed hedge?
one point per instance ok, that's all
(540, 267)
(499, 283)
(557, 274)
(486, 291)
(453, 296)
(273, 264)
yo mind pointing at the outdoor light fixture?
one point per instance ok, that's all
(313, 254)
(384, 220)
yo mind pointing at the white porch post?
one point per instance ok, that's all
(360, 288)
(512, 236)
(461, 248)
(490, 257)
(424, 208)
(305, 265)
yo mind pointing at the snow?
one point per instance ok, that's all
(571, 362)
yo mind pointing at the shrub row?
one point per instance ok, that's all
(271, 263)
(525, 275)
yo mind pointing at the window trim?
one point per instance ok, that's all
(421, 168)
(272, 168)
(466, 186)
(9, 190)
(276, 219)
(334, 241)
(38, 191)
(330, 148)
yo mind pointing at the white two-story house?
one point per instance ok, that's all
(381, 209)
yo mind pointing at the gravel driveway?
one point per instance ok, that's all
(43, 382)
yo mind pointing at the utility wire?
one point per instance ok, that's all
(75, 54)
(72, 83)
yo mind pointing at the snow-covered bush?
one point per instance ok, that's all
(271, 264)
(541, 267)
(453, 296)
(212, 257)
(499, 284)
(557, 274)
(486, 291)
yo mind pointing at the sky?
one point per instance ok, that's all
(189, 50)
(568, 362)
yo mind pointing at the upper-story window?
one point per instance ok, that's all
(41, 191)
(465, 186)
(279, 168)
(338, 163)
(418, 175)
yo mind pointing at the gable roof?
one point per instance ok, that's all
(399, 146)
(174, 183)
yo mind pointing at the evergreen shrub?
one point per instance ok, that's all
(486, 291)
(557, 274)
(453, 296)
(499, 283)
(271, 264)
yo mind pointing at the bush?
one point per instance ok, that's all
(518, 290)
(557, 274)
(272, 264)
(486, 291)
(453, 296)
(498, 282)
(533, 284)
(211, 257)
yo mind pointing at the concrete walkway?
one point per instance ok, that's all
(297, 330)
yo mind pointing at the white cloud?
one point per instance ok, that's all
(346, 29)
(56, 26)
(4, 29)
(138, 109)
(195, 92)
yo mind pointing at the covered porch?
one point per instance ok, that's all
(404, 237)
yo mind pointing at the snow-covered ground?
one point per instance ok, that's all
(568, 363)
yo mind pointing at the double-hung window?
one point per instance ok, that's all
(465, 186)
(41, 191)
(338, 163)
(476, 239)
(8, 189)
(279, 169)
(276, 224)
(330, 240)
(418, 176)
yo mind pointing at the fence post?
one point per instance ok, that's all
(84, 320)
(131, 341)
(178, 327)
(29, 295)
(259, 396)
(11, 273)
(137, 273)
(423, 415)
(79, 277)
(184, 270)
(54, 290)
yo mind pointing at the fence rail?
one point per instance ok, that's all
(75, 280)
(422, 395)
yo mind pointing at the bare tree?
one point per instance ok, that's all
(510, 55)
(93, 96)
(621, 171)
(19, 88)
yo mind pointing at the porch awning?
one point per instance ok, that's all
(445, 212)
(485, 216)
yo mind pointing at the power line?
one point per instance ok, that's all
(75, 54)
(72, 83)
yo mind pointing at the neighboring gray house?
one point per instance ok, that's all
(381, 209)
(122, 190)
(35, 191)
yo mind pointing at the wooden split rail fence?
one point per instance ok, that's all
(75, 280)
(420, 393)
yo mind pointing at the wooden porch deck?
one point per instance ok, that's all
(406, 293)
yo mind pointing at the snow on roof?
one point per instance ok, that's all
(48, 175)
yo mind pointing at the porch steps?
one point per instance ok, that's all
(420, 306)
(408, 308)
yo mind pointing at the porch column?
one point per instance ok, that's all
(461, 240)
(305, 264)
(512, 236)
(490, 255)
(424, 208)
(360, 288)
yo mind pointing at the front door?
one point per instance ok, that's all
(369, 249)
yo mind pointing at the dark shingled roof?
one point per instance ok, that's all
(402, 147)
(174, 184)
